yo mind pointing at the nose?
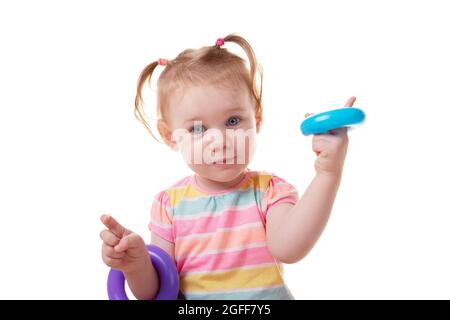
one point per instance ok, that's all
(218, 143)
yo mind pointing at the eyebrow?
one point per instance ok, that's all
(235, 109)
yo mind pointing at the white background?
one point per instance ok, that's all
(71, 149)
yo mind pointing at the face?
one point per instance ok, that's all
(214, 129)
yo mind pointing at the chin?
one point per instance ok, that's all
(220, 173)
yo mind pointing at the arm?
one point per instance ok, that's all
(144, 281)
(301, 225)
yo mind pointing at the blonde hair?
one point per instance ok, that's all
(207, 65)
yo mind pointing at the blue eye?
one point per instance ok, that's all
(198, 129)
(233, 121)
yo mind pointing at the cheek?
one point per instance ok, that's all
(191, 149)
(245, 146)
(185, 151)
(251, 145)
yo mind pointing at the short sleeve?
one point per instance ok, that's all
(278, 191)
(161, 217)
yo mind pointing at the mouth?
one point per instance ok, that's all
(224, 162)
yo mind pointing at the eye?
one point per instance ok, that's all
(197, 129)
(233, 121)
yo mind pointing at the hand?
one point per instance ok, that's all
(331, 148)
(122, 249)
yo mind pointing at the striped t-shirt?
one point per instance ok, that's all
(220, 237)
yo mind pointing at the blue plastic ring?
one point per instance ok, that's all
(333, 119)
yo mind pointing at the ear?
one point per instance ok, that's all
(166, 134)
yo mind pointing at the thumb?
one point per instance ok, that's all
(129, 242)
(350, 102)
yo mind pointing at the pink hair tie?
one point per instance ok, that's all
(220, 42)
(162, 62)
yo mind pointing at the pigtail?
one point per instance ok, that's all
(255, 69)
(139, 112)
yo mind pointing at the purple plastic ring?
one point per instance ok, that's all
(169, 282)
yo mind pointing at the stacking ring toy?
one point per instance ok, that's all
(333, 119)
(167, 272)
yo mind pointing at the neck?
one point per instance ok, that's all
(211, 185)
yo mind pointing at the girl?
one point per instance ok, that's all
(228, 228)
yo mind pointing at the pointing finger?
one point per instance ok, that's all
(113, 225)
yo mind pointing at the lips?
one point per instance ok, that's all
(226, 161)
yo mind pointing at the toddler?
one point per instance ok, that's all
(228, 229)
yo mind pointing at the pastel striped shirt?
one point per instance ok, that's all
(220, 237)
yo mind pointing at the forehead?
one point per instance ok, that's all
(204, 101)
